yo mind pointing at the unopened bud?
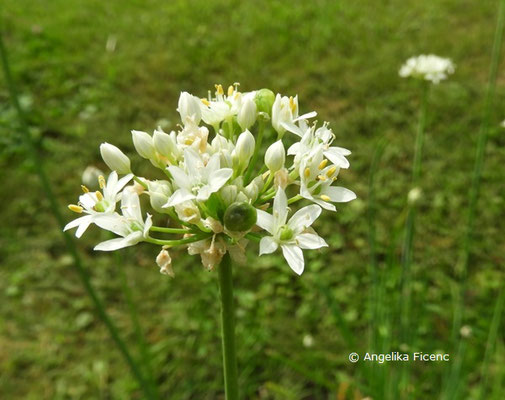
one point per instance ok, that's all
(247, 115)
(159, 192)
(244, 149)
(264, 100)
(144, 145)
(164, 143)
(275, 156)
(189, 108)
(115, 159)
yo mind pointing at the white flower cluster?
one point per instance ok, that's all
(427, 67)
(218, 191)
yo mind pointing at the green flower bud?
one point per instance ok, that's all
(240, 217)
(264, 100)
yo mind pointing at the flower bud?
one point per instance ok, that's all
(144, 145)
(252, 190)
(159, 192)
(414, 196)
(240, 217)
(189, 108)
(244, 148)
(164, 143)
(264, 100)
(229, 194)
(247, 115)
(275, 156)
(115, 159)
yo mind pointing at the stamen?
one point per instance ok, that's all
(219, 90)
(322, 164)
(205, 101)
(324, 197)
(84, 189)
(322, 177)
(292, 104)
(101, 181)
(306, 172)
(99, 195)
(331, 171)
(75, 208)
(230, 90)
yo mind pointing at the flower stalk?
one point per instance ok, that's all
(228, 329)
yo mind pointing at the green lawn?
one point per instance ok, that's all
(91, 71)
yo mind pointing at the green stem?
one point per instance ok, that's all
(172, 243)
(294, 199)
(257, 148)
(55, 209)
(169, 230)
(228, 329)
(139, 181)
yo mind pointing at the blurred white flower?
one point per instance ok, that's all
(427, 67)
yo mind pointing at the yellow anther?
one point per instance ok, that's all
(331, 171)
(219, 90)
(84, 189)
(306, 172)
(99, 195)
(322, 177)
(292, 104)
(322, 164)
(101, 181)
(230, 90)
(324, 197)
(74, 208)
(205, 101)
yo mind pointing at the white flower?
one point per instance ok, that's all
(193, 136)
(166, 145)
(222, 107)
(130, 226)
(97, 205)
(292, 236)
(247, 115)
(197, 180)
(115, 159)
(189, 108)
(285, 113)
(275, 156)
(428, 67)
(316, 178)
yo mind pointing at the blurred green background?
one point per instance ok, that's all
(90, 71)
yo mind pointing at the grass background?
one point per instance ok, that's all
(294, 334)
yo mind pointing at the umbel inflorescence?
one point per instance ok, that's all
(228, 179)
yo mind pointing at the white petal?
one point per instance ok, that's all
(218, 178)
(290, 127)
(180, 177)
(280, 209)
(268, 245)
(119, 243)
(178, 197)
(112, 222)
(304, 217)
(194, 163)
(324, 204)
(310, 241)
(294, 257)
(265, 220)
(204, 193)
(148, 224)
(336, 158)
(339, 194)
(81, 221)
(294, 148)
(306, 116)
(130, 205)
